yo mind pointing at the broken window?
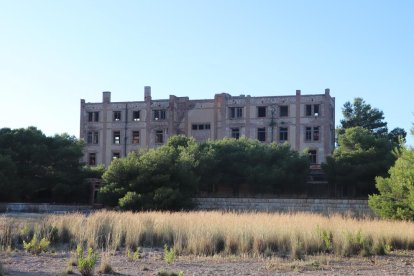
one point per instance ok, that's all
(284, 111)
(283, 134)
(316, 133)
(235, 133)
(236, 112)
(312, 110)
(92, 159)
(312, 156)
(136, 116)
(93, 137)
(117, 115)
(308, 110)
(135, 137)
(200, 126)
(159, 114)
(117, 137)
(308, 134)
(261, 111)
(116, 155)
(93, 116)
(159, 137)
(261, 134)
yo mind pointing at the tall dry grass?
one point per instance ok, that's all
(208, 233)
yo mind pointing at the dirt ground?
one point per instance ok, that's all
(151, 263)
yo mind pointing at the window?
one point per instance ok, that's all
(135, 137)
(92, 159)
(93, 137)
(261, 111)
(116, 155)
(312, 110)
(159, 137)
(235, 133)
(93, 116)
(236, 112)
(261, 134)
(308, 134)
(136, 116)
(200, 126)
(283, 134)
(159, 114)
(316, 133)
(117, 137)
(284, 111)
(312, 156)
(117, 115)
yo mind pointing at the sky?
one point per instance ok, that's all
(54, 53)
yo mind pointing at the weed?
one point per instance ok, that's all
(169, 273)
(86, 265)
(326, 237)
(35, 246)
(134, 256)
(169, 254)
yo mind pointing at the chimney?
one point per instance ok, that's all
(106, 97)
(327, 90)
(147, 93)
(297, 92)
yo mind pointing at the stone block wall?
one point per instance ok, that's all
(324, 206)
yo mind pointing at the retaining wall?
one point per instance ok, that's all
(43, 208)
(325, 206)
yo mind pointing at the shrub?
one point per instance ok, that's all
(35, 246)
(326, 237)
(133, 256)
(131, 201)
(86, 265)
(105, 267)
(169, 254)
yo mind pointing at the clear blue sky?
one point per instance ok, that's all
(53, 53)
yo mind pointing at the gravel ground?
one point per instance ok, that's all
(151, 263)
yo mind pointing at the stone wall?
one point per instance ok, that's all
(43, 208)
(325, 206)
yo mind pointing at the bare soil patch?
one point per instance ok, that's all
(151, 263)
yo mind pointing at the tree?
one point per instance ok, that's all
(361, 156)
(396, 192)
(361, 114)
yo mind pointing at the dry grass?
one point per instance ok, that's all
(210, 233)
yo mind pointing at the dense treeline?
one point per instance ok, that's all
(365, 150)
(37, 168)
(167, 177)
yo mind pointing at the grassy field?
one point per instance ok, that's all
(215, 233)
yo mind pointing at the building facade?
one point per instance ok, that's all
(113, 129)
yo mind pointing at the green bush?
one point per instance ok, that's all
(131, 201)
(169, 254)
(86, 264)
(35, 246)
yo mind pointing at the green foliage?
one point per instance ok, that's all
(169, 254)
(86, 264)
(35, 246)
(166, 178)
(36, 168)
(361, 114)
(360, 157)
(326, 237)
(396, 192)
(133, 256)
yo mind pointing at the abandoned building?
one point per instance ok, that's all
(113, 129)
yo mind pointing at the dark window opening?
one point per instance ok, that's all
(135, 137)
(136, 116)
(159, 114)
(284, 111)
(207, 126)
(92, 159)
(308, 110)
(261, 134)
(194, 127)
(316, 110)
(283, 134)
(117, 137)
(117, 115)
(93, 116)
(261, 111)
(235, 133)
(236, 112)
(315, 133)
(116, 155)
(312, 156)
(308, 134)
(93, 137)
(159, 137)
